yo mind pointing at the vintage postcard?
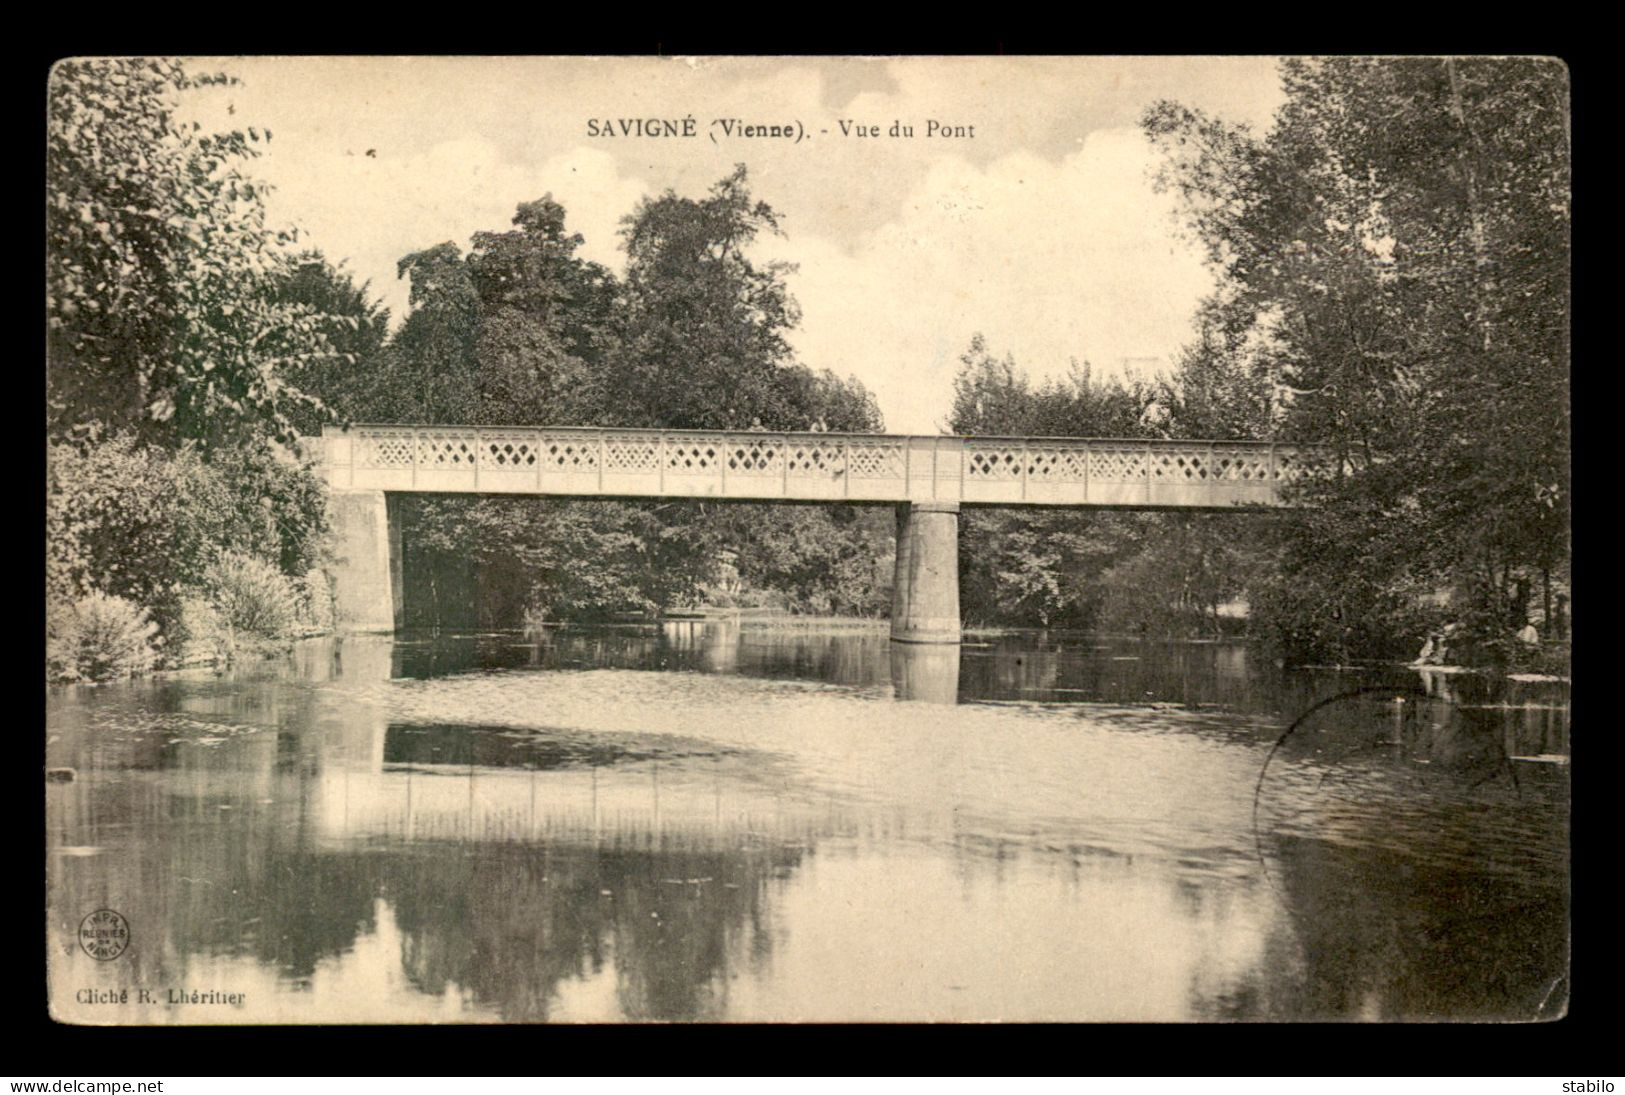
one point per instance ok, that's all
(792, 539)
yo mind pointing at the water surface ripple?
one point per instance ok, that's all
(695, 822)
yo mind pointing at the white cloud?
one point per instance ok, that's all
(1049, 261)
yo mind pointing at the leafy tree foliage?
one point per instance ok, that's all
(704, 335)
(547, 321)
(163, 315)
(343, 382)
(181, 330)
(1395, 259)
(144, 523)
(521, 329)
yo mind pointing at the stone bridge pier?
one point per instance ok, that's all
(925, 595)
(367, 581)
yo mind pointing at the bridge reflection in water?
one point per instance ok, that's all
(339, 839)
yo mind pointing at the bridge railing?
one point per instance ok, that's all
(613, 462)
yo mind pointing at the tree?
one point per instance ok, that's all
(345, 383)
(162, 309)
(546, 321)
(1394, 256)
(703, 342)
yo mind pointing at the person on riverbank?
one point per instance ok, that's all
(1425, 655)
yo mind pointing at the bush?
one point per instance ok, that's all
(198, 634)
(253, 601)
(316, 609)
(99, 638)
(146, 524)
(113, 525)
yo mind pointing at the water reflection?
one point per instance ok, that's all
(704, 821)
(925, 672)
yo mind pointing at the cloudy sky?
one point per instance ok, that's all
(1040, 230)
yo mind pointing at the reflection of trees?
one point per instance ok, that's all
(1423, 880)
(498, 747)
(508, 922)
(1080, 669)
(858, 659)
(193, 879)
(1386, 937)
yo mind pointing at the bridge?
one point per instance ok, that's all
(928, 478)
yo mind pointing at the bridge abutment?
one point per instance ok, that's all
(367, 561)
(925, 595)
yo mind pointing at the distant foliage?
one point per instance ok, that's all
(825, 560)
(99, 638)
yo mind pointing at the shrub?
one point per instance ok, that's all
(316, 611)
(112, 524)
(99, 638)
(146, 524)
(198, 634)
(253, 600)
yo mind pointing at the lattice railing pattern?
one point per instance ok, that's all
(993, 463)
(1233, 464)
(817, 457)
(691, 455)
(1179, 466)
(875, 459)
(508, 451)
(1117, 463)
(756, 456)
(447, 449)
(1162, 462)
(631, 453)
(823, 457)
(386, 449)
(1054, 464)
(569, 453)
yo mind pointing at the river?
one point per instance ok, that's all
(694, 821)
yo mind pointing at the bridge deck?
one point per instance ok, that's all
(753, 465)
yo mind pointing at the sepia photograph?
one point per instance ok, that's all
(748, 539)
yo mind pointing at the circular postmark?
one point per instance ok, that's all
(104, 935)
